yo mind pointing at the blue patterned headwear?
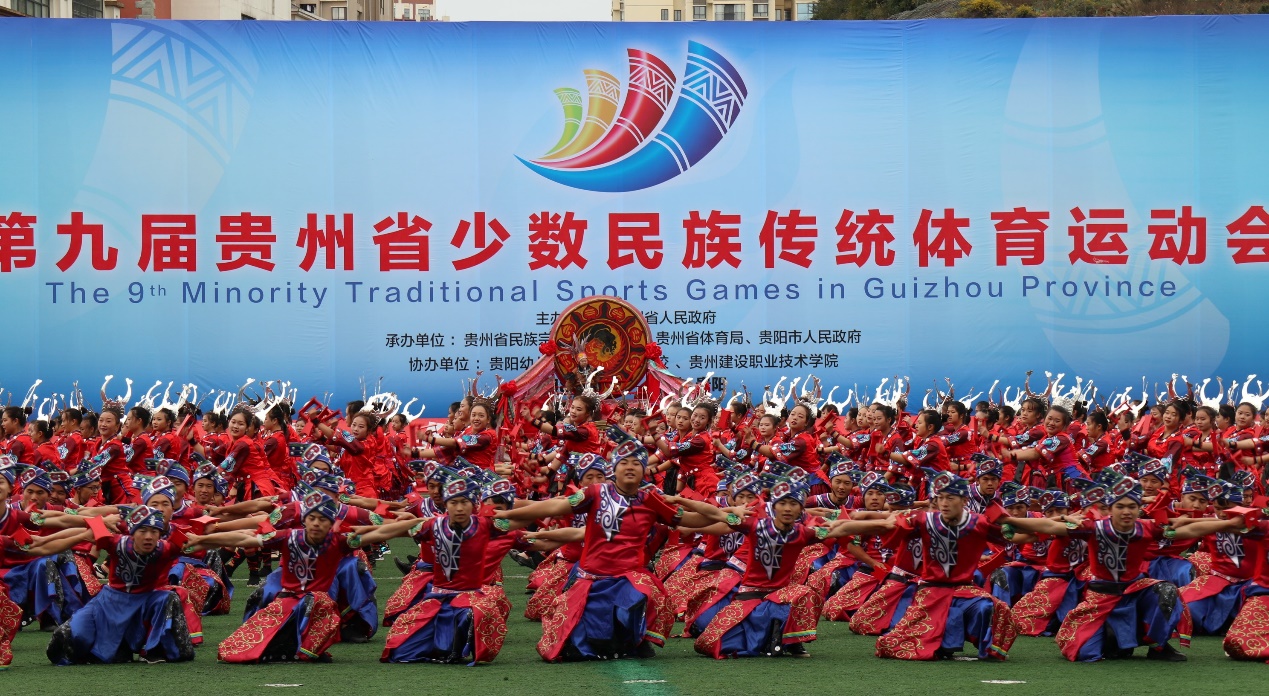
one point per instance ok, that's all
(841, 465)
(160, 485)
(501, 489)
(874, 480)
(787, 488)
(901, 495)
(1109, 486)
(35, 476)
(325, 480)
(949, 483)
(1244, 478)
(1205, 486)
(85, 474)
(145, 516)
(315, 453)
(461, 488)
(626, 446)
(747, 482)
(176, 472)
(987, 466)
(1231, 494)
(57, 477)
(591, 462)
(1014, 494)
(1050, 499)
(320, 503)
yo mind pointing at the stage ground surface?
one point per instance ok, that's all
(842, 662)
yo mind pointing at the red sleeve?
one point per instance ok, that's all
(277, 540)
(475, 442)
(664, 512)
(425, 534)
(270, 445)
(345, 440)
(582, 500)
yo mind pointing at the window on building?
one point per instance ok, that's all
(760, 10)
(31, 8)
(87, 9)
(309, 8)
(678, 15)
(665, 15)
(425, 13)
(779, 14)
(805, 10)
(729, 13)
(405, 14)
(339, 13)
(698, 12)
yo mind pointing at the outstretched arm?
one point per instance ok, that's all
(387, 531)
(555, 507)
(223, 539)
(1193, 529)
(1038, 525)
(843, 528)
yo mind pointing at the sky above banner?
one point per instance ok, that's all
(211, 201)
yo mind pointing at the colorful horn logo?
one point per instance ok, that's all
(614, 152)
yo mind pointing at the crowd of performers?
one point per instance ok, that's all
(737, 526)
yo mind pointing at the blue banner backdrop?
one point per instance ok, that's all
(208, 201)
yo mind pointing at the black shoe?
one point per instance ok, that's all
(254, 579)
(796, 650)
(522, 558)
(403, 565)
(646, 649)
(944, 654)
(1167, 654)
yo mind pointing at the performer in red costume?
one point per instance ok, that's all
(461, 619)
(611, 578)
(1122, 608)
(948, 610)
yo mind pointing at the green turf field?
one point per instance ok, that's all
(841, 663)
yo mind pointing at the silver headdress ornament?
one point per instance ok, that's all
(1202, 395)
(222, 403)
(696, 394)
(31, 397)
(1256, 399)
(890, 397)
(841, 406)
(382, 406)
(771, 397)
(121, 402)
(739, 396)
(590, 393)
(41, 413)
(810, 395)
(405, 410)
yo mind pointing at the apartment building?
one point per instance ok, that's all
(711, 11)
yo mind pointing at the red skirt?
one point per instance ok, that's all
(802, 568)
(551, 581)
(679, 586)
(413, 586)
(846, 601)
(566, 613)
(1248, 636)
(876, 613)
(320, 631)
(489, 608)
(10, 623)
(800, 626)
(919, 634)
